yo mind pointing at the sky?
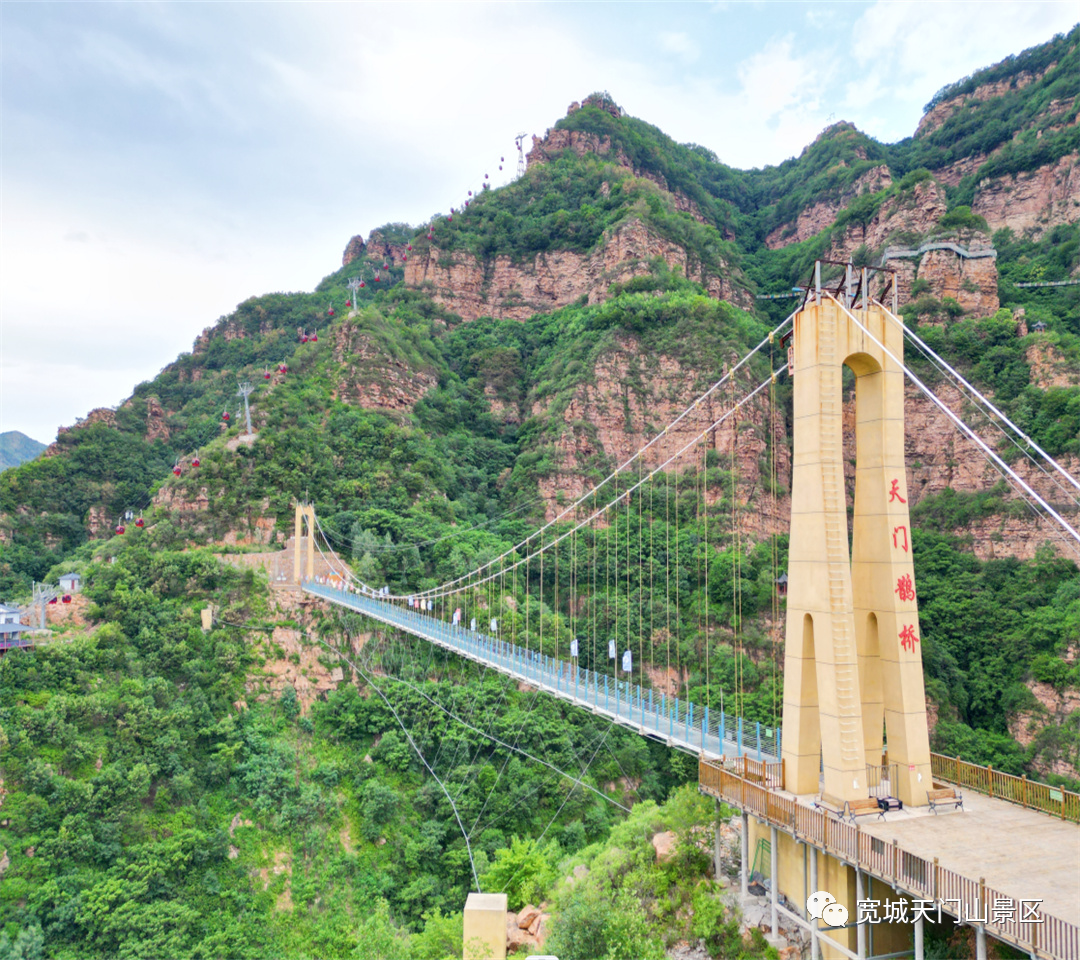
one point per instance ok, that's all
(162, 162)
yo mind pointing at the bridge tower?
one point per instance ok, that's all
(304, 512)
(853, 661)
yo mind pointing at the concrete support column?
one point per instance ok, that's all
(716, 842)
(774, 872)
(744, 870)
(815, 947)
(980, 942)
(860, 930)
(919, 951)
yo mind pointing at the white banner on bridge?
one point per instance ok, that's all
(627, 661)
(472, 625)
(573, 648)
(494, 625)
(611, 654)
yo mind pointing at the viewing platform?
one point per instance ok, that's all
(1021, 844)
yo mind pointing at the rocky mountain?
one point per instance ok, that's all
(212, 763)
(16, 448)
(503, 357)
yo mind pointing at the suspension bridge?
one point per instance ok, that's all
(855, 738)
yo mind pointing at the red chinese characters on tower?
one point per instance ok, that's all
(894, 492)
(905, 589)
(899, 538)
(908, 638)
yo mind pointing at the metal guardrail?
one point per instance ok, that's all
(1031, 794)
(969, 253)
(1048, 283)
(904, 871)
(678, 722)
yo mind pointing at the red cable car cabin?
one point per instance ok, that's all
(67, 598)
(409, 248)
(140, 523)
(53, 600)
(196, 461)
(176, 473)
(119, 529)
(225, 416)
(362, 284)
(330, 312)
(314, 338)
(281, 369)
(266, 375)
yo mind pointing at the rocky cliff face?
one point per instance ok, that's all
(936, 116)
(369, 377)
(610, 419)
(103, 415)
(1036, 200)
(1053, 708)
(818, 216)
(505, 289)
(632, 395)
(970, 281)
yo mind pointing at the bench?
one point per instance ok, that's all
(831, 805)
(863, 808)
(940, 795)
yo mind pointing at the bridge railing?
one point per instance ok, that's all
(676, 719)
(905, 871)
(1055, 801)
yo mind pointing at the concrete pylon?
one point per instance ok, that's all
(853, 654)
(304, 511)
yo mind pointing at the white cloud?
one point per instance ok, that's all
(917, 48)
(681, 46)
(163, 162)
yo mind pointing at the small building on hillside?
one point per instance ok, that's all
(70, 582)
(11, 631)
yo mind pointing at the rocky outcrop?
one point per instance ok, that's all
(1049, 366)
(157, 428)
(581, 142)
(526, 929)
(1058, 755)
(294, 660)
(505, 289)
(815, 218)
(370, 377)
(390, 252)
(104, 415)
(1035, 200)
(971, 282)
(939, 457)
(939, 114)
(607, 420)
(353, 249)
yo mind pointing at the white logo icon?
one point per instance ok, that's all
(835, 914)
(822, 905)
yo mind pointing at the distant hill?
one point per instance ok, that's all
(16, 448)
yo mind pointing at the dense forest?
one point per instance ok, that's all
(164, 793)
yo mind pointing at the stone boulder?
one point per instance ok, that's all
(664, 845)
(527, 916)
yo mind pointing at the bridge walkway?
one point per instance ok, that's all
(669, 720)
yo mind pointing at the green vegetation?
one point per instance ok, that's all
(16, 448)
(986, 628)
(160, 801)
